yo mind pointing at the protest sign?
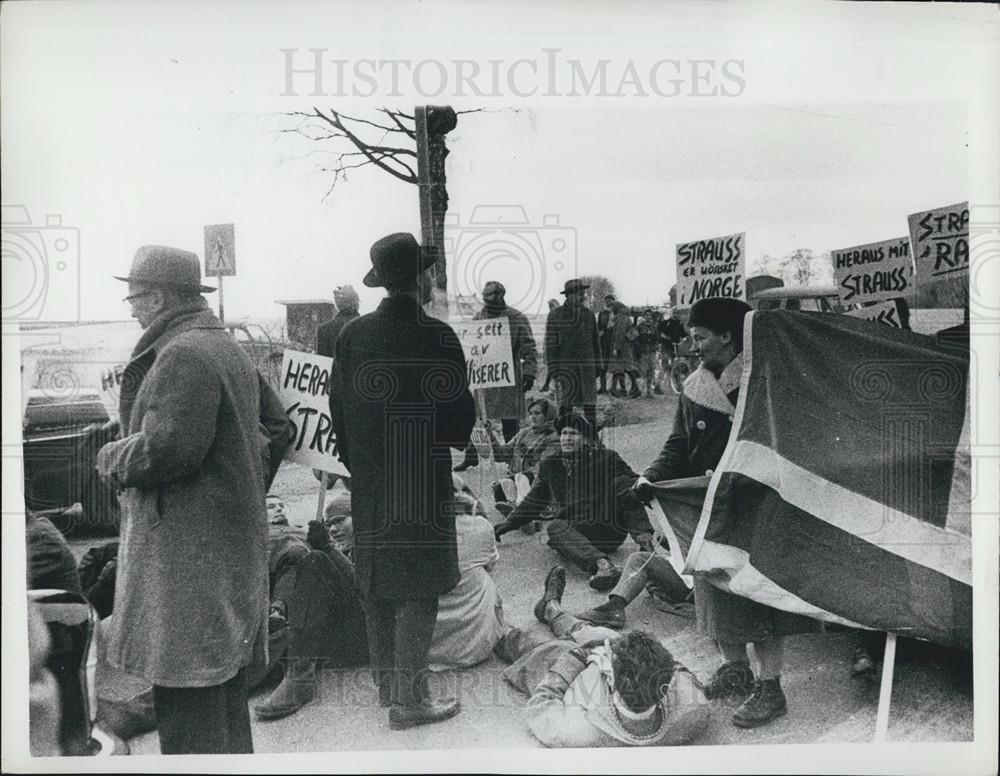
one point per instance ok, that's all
(712, 267)
(305, 394)
(940, 240)
(488, 356)
(883, 312)
(873, 272)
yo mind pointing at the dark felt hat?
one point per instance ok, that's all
(574, 285)
(719, 314)
(572, 420)
(395, 258)
(160, 265)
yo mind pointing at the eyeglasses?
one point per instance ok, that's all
(133, 297)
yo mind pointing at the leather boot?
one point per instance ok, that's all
(766, 703)
(732, 682)
(425, 711)
(297, 688)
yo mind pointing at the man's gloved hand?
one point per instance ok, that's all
(643, 490)
(102, 433)
(526, 382)
(501, 528)
(318, 536)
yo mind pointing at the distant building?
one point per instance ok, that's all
(304, 316)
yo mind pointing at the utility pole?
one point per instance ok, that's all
(432, 124)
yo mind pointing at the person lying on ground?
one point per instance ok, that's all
(593, 687)
(588, 487)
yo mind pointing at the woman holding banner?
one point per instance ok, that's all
(701, 431)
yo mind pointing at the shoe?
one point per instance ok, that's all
(766, 703)
(423, 713)
(635, 393)
(531, 528)
(504, 508)
(297, 688)
(608, 616)
(658, 391)
(732, 681)
(605, 578)
(555, 585)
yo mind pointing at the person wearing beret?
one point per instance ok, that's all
(201, 438)
(589, 487)
(399, 401)
(694, 448)
(573, 352)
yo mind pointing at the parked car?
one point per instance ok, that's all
(819, 299)
(59, 457)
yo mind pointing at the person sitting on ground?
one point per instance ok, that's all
(592, 687)
(313, 589)
(524, 452)
(588, 486)
(643, 569)
(324, 611)
(470, 618)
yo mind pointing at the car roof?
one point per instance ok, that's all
(796, 292)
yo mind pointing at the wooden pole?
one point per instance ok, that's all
(885, 691)
(222, 313)
(321, 503)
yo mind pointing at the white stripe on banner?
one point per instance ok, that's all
(939, 549)
(744, 580)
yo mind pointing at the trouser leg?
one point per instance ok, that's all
(380, 621)
(509, 427)
(634, 578)
(571, 543)
(770, 655)
(414, 628)
(204, 720)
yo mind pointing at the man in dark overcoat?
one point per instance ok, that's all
(573, 353)
(604, 336)
(399, 401)
(201, 437)
(694, 448)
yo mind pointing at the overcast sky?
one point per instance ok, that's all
(142, 123)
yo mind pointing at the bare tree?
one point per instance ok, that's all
(797, 268)
(351, 142)
(600, 287)
(764, 265)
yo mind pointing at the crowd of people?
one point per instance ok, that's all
(399, 576)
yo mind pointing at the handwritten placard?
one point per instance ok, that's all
(711, 268)
(305, 394)
(873, 272)
(881, 312)
(488, 355)
(940, 240)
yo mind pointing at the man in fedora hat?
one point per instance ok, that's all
(573, 352)
(201, 437)
(590, 488)
(399, 401)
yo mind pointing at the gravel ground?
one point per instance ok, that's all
(932, 698)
